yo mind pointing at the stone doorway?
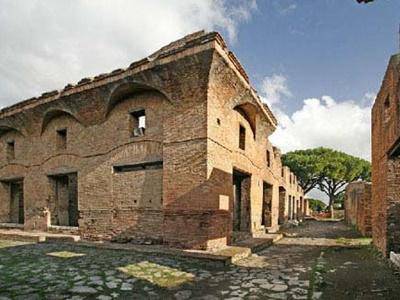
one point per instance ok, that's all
(282, 200)
(64, 200)
(241, 201)
(17, 215)
(266, 218)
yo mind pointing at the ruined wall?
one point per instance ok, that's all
(172, 184)
(97, 118)
(358, 206)
(385, 167)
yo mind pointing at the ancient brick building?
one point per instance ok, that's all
(357, 205)
(172, 149)
(386, 161)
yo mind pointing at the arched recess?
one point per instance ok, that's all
(6, 128)
(126, 90)
(249, 112)
(55, 113)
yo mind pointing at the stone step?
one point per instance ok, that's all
(37, 237)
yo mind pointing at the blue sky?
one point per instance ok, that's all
(317, 63)
(326, 47)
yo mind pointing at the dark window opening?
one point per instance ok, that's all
(386, 112)
(242, 137)
(268, 158)
(62, 139)
(282, 172)
(138, 120)
(153, 165)
(10, 150)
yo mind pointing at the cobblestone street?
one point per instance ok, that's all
(287, 270)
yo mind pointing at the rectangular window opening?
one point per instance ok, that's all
(11, 150)
(62, 139)
(242, 137)
(138, 119)
(152, 165)
(268, 158)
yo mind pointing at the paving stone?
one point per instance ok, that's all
(83, 290)
(126, 287)
(104, 297)
(183, 295)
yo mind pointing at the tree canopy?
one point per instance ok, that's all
(316, 205)
(326, 169)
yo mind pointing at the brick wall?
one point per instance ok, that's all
(385, 166)
(195, 94)
(358, 206)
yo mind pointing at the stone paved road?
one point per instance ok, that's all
(283, 271)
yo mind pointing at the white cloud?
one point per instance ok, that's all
(325, 122)
(46, 44)
(274, 88)
(341, 125)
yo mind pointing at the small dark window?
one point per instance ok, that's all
(218, 121)
(268, 158)
(11, 150)
(62, 139)
(282, 172)
(386, 112)
(242, 137)
(138, 119)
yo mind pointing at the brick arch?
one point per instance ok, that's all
(129, 88)
(55, 113)
(7, 128)
(249, 112)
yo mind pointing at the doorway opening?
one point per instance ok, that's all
(241, 201)
(64, 200)
(282, 199)
(266, 218)
(17, 214)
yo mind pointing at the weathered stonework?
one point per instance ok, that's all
(357, 206)
(83, 162)
(386, 161)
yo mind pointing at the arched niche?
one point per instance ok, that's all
(6, 128)
(55, 113)
(126, 90)
(249, 113)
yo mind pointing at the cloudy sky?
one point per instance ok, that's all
(318, 64)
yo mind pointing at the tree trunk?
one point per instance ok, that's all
(330, 206)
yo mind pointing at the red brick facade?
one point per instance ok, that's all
(82, 160)
(386, 161)
(357, 206)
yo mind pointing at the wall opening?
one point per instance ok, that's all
(268, 158)
(61, 139)
(10, 150)
(266, 218)
(138, 122)
(282, 199)
(290, 209)
(17, 214)
(241, 201)
(64, 204)
(242, 137)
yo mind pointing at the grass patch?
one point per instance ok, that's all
(362, 241)
(10, 243)
(162, 276)
(318, 271)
